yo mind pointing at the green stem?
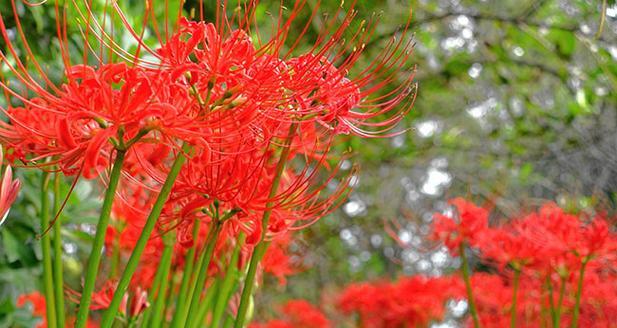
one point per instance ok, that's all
(156, 284)
(48, 279)
(513, 314)
(169, 298)
(200, 280)
(186, 278)
(58, 274)
(229, 282)
(466, 277)
(249, 282)
(262, 245)
(562, 292)
(579, 292)
(140, 246)
(229, 321)
(115, 256)
(164, 266)
(99, 239)
(551, 300)
(205, 306)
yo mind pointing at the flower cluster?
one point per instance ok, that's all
(297, 314)
(414, 301)
(211, 145)
(546, 268)
(37, 302)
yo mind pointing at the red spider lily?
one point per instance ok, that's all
(599, 303)
(138, 301)
(199, 69)
(563, 232)
(240, 178)
(563, 241)
(206, 70)
(132, 305)
(410, 302)
(544, 254)
(37, 300)
(240, 105)
(320, 91)
(297, 314)
(277, 260)
(469, 223)
(505, 247)
(493, 296)
(87, 113)
(39, 309)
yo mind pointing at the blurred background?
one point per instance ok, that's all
(516, 106)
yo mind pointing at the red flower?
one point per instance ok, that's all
(410, 302)
(470, 222)
(507, 247)
(138, 300)
(240, 105)
(37, 300)
(277, 261)
(74, 127)
(546, 251)
(298, 314)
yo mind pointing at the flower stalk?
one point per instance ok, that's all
(186, 278)
(164, 268)
(579, 293)
(562, 292)
(99, 240)
(466, 277)
(48, 279)
(200, 279)
(58, 267)
(228, 284)
(262, 245)
(140, 246)
(515, 284)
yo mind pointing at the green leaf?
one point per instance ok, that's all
(458, 65)
(11, 246)
(565, 42)
(525, 172)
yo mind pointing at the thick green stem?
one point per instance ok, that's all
(140, 246)
(229, 321)
(551, 300)
(58, 267)
(562, 292)
(156, 283)
(199, 282)
(115, 257)
(579, 292)
(164, 267)
(99, 239)
(48, 279)
(169, 298)
(186, 279)
(208, 302)
(466, 277)
(513, 314)
(227, 287)
(262, 245)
